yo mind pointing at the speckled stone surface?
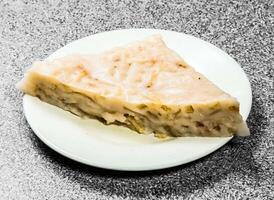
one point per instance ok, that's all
(242, 169)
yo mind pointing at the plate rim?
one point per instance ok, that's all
(168, 165)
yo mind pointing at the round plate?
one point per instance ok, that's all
(114, 147)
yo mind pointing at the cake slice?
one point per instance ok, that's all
(144, 86)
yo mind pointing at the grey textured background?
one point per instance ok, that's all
(32, 30)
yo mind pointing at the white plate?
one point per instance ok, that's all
(119, 148)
